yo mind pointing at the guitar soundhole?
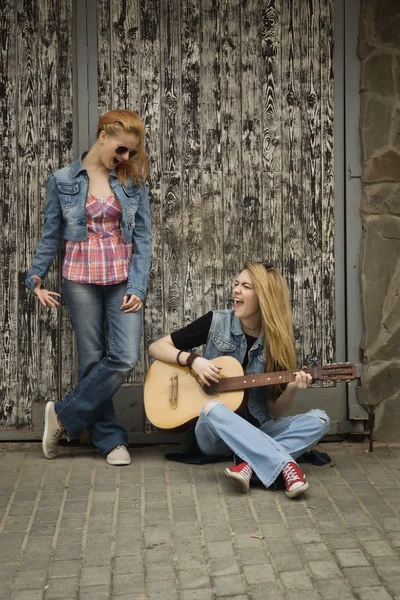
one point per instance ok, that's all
(211, 390)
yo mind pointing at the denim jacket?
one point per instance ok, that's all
(65, 216)
(226, 338)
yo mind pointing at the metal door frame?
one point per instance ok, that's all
(348, 192)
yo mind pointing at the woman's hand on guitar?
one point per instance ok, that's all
(303, 380)
(206, 370)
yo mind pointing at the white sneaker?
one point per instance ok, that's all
(119, 456)
(52, 432)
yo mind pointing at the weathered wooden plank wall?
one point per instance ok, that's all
(36, 114)
(237, 98)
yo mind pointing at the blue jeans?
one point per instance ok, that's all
(220, 431)
(104, 361)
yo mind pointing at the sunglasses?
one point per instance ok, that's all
(122, 149)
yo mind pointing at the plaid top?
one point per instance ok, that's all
(102, 258)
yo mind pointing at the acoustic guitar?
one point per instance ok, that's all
(173, 397)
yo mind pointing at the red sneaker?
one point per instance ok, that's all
(241, 474)
(295, 480)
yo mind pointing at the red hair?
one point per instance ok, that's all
(128, 121)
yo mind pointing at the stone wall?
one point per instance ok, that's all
(379, 52)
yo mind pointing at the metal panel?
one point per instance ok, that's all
(353, 194)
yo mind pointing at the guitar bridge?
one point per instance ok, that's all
(173, 391)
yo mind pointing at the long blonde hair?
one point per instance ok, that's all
(276, 316)
(115, 121)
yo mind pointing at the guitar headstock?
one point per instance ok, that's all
(335, 372)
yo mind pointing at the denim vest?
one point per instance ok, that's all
(226, 338)
(65, 216)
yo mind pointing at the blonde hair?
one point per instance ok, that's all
(276, 316)
(115, 121)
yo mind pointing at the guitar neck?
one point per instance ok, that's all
(229, 384)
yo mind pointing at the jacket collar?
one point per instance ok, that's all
(236, 329)
(77, 167)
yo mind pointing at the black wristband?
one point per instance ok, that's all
(177, 358)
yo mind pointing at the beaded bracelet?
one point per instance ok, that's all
(177, 358)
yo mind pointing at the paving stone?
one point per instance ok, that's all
(307, 536)
(217, 534)
(95, 576)
(386, 566)
(129, 564)
(378, 548)
(311, 595)
(95, 592)
(324, 569)
(62, 589)
(42, 529)
(68, 552)
(158, 588)
(158, 573)
(297, 580)
(256, 556)
(216, 549)
(316, 552)
(335, 589)
(126, 583)
(259, 573)
(337, 542)
(204, 594)
(288, 562)
(230, 586)
(16, 523)
(393, 585)
(367, 534)
(194, 579)
(352, 558)
(220, 567)
(21, 508)
(361, 576)
(374, 593)
(65, 568)
(32, 579)
(130, 597)
(263, 592)
(27, 595)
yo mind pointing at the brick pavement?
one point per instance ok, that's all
(77, 528)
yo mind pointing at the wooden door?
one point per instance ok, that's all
(237, 98)
(36, 131)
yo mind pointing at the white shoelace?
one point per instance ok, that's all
(290, 474)
(247, 472)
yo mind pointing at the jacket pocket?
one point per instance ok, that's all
(223, 344)
(68, 193)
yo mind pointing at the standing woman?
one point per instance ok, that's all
(258, 333)
(99, 205)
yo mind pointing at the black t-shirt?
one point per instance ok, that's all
(196, 334)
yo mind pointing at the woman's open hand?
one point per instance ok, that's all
(206, 370)
(131, 303)
(45, 297)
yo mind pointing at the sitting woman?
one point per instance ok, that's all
(258, 333)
